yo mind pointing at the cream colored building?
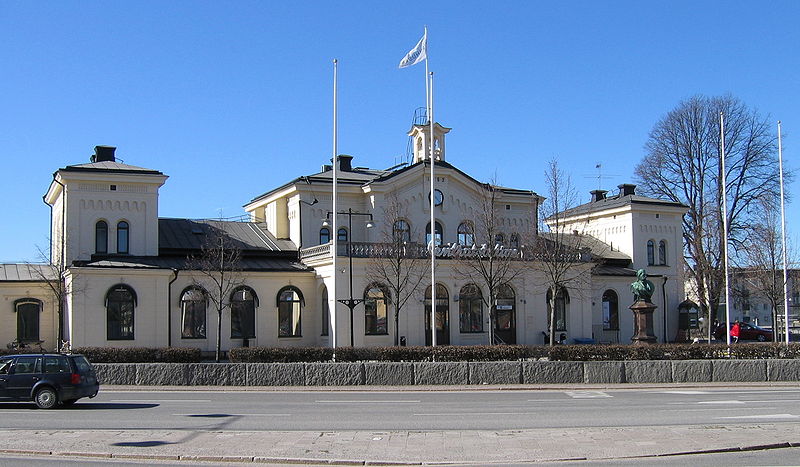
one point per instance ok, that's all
(131, 283)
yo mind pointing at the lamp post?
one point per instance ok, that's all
(351, 303)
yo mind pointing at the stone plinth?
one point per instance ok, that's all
(643, 323)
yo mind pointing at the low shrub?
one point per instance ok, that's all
(446, 353)
(673, 352)
(280, 354)
(139, 354)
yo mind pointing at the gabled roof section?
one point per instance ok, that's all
(177, 236)
(598, 249)
(109, 167)
(618, 201)
(26, 272)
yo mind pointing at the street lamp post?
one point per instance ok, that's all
(351, 303)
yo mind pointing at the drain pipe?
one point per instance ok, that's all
(664, 296)
(169, 306)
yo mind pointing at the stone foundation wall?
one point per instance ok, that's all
(446, 373)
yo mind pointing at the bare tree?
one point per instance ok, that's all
(683, 164)
(763, 257)
(217, 270)
(399, 260)
(483, 259)
(560, 253)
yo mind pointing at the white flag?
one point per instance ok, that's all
(417, 54)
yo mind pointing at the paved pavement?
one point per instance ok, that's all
(402, 447)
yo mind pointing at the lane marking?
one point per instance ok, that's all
(720, 402)
(471, 413)
(777, 416)
(690, 393)
(159, 400)
(365, 402)
(587, 394)
(200, 415)
(720, 408)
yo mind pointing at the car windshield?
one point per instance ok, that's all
(4, 364)
(82, 364)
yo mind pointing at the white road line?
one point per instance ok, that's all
(481, 414)
(777, 416)
(586, 394)
(365, 402)
(160, 401)
(720, 408)
(721, 402)
(683, 392)
(205, 416)
(546, 400)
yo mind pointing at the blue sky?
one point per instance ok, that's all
(231, 99)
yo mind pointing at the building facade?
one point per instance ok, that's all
(133, 280)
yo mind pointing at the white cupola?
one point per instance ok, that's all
(420, 137)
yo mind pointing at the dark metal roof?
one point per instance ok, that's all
(618, 201)
(25, 272)
(109, 166)
(189, 234)
(597, 248)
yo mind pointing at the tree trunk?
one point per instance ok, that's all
(219, 335)
(552, 317)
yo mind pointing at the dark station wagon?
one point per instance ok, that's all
(46, 379)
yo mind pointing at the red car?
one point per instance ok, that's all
(747, 332)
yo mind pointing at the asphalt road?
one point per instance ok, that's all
(412, 410)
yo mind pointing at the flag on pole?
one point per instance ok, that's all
(417, 54)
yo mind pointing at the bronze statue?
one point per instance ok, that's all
(642, 288)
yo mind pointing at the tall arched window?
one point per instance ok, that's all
(651, 253)
(375, 310)
(442, 315)
(290, 304)
(28, 314)
(500, 239)
(401, 231)
(243, 313)
(513, 241)
(341, 235)
(326, 317)
(123, 238)
(194, 302)
(562, 300)
(324, 235)
(439, 234)
(505, 310)
(470, 309)
(610, 311)
(662, 252)
(101, 237)
(466, 234)
(120, 305)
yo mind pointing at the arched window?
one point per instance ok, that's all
(324, 235)
(662, 252)
(513, 241)
(243, 313)
(505, 309)
(194, 302)
(439, 234)
(651, 252)
(562, 300)
(28, 312)
(341, 235)
(610, 311)
(101, 237)
(500, 239)
(466, 234)
(326, 310)
(470, 309)
(442, 314)
(401, 231)
(290, 304)
(120, 304)
(375, 310)
(122, 238)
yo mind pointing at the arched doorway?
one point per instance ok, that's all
(442, 316)
(505, 316)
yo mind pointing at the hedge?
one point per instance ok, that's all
(673, 352)
(140, 354)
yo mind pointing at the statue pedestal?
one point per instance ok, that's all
(643, 323)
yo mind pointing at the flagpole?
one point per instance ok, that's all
(725, 229)
(332, 297)
(433, 219)
(783, 240)
(427, 89)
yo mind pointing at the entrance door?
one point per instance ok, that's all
(442, 316)
(505, 316)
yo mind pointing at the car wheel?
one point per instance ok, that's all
(761, 338)
(69, 402)
(46, 398)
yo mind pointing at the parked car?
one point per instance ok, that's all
(747, 332)
(47, 379)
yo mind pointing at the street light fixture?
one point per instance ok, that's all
(351, 303)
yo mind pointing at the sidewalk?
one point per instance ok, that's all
(399, 447)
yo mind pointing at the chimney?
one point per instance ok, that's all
(598, 195)
(104, 154)
(345, 163)
(626, 189)
(326, 168)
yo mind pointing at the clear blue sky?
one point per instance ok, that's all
(231, 99)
